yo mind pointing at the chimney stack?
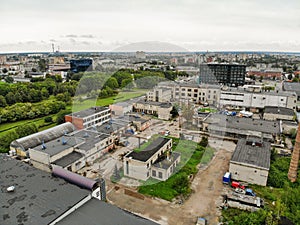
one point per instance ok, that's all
(292, 174)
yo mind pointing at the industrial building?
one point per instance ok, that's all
(235, 127)
(157, 160)
(33, 197)
(89, 117)
(72, 151)
(278, 113)
(22, 145)
(250, 161)
(252, 100)
(223, 73)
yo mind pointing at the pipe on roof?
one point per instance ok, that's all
(74, 178)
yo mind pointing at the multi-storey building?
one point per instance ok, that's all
(240, 98)
(223, 73)
(89, 117)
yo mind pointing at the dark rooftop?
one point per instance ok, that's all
(252, 152)
(68, 159)
(88, 112)
(223, 122)
(165, 163)
(38, 198)
(279, 110)
(96, 212)
(150, 150)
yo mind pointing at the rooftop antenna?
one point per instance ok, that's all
(64, 142)
(43, 145)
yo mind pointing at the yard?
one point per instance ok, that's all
(179, 183)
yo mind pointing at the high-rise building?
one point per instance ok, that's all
(223, 73)
(81, 65)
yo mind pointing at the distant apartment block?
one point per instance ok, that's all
(223, 73)
(81, 65)
(89, 117)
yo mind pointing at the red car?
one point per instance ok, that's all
(236, 184)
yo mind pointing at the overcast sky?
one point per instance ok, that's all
(196, 25)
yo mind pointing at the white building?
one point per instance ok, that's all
(239, 98)
(250, 161)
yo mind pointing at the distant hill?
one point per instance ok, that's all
(150, 46)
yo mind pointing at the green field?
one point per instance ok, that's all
(40, 123)
(121, 97)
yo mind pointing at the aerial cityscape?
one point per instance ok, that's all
(137, 112)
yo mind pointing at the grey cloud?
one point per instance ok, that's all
(87, 36)
(71, 36)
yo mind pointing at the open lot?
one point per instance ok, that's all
(204, 201)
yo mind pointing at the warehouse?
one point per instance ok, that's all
(39, 198)
(250, 161)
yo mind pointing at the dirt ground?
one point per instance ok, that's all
(204, 201)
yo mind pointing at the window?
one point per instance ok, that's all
(281, 99)
(160, 174)
(153, 173)
(127, 167)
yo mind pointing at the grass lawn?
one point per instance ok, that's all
(122, 96)
(191, 155)
(39, 122)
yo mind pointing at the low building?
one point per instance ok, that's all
(278, 113)
(22, 145)
(63, 198)
(140, 122)
(121, 108)
(235, 127)
(159, 109)
(292, 87)
(59, 151)
(250, 161)
(156, 160)
(89, 117)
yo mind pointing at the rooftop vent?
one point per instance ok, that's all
(10, 189)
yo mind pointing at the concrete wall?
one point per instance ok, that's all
(77, 122)
(39, 156)
(61, 154)
(247, 173)
(272, 116)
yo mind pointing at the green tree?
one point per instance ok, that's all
(112, 83)
(204, 141)
(61, 116)
(45, 93)
(27, 129)
(10, 98)
(2, 101)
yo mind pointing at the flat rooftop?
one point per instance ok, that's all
(96, 212)
(279, 110)
(150, 150)
(165, 163)
(109, 127)
(38, 198)
(68, 159)
(217, 121)
(60, 144)
(252, 152)
(160, 104)
(88, 112)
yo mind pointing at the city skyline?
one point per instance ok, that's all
(193, 25)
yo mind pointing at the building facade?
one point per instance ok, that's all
(89, 117)
(223, 73)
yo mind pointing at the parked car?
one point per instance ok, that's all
(236, 184)
(250, 192)
(239, 190)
